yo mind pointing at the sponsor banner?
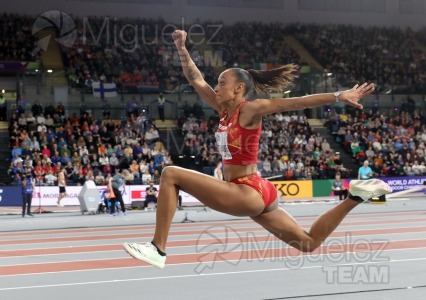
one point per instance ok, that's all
(138, 194)
(294, 189)
(10, 196)
(48, 195)
(322, 188)
(399, 184)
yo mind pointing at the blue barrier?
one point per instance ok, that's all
(10, 196)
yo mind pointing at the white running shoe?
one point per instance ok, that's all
(367, 189)
(147, 253)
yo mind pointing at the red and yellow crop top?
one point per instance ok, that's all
(237, 145)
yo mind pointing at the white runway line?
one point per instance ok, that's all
(197, 275)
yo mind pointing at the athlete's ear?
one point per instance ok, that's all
(239, 88)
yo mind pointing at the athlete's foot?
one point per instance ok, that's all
(362, 190)
(147, 253)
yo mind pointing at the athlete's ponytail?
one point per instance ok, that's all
(276, 79)
(264, 81)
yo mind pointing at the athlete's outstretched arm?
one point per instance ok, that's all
(264, 107)
(191, 71)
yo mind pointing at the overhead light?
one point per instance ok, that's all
(50, 71)
(329, 74)
(287, 92)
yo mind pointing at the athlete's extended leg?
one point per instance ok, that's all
(283, 226)
(230, 198)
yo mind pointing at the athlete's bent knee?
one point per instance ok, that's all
(306, 246)
(168, 173)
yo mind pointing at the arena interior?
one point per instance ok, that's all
(94, 88)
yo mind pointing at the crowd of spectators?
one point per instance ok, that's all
(394, 143)
(16, 40)
(123, 50)
(145, 54)
(45, 140)
(44, 144)
(151, 57)
(291, 148)
(387, 56)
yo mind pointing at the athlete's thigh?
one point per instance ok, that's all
(227, 197)
(283, 225)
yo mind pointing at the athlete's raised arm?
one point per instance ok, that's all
(192, 73)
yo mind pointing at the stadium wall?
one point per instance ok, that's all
(293, 190)
(402, 13)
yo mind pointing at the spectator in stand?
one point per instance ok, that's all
(103, 160)
(156, 176)
(114, 162)
(266, 166)
(146, 177)
(45, 151)
(108, 169)
(50, 178)
(22, 121)
(365, 172)
(16, 159)
(338, 187)
(99, 179)
(39, 172)
(69, 172)
(56, 158)
(60, 109)
(134, 169)
(90, 175)
(151, 136)
(377, 169)
(36, 108)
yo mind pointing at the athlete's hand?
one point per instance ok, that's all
(355, 94)
(179, 37)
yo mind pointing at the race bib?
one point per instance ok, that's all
(222, 143)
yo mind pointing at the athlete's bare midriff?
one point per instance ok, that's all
(231, 172)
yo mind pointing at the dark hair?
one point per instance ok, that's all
(263, 81)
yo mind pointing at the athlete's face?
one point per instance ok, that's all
(227, 88)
